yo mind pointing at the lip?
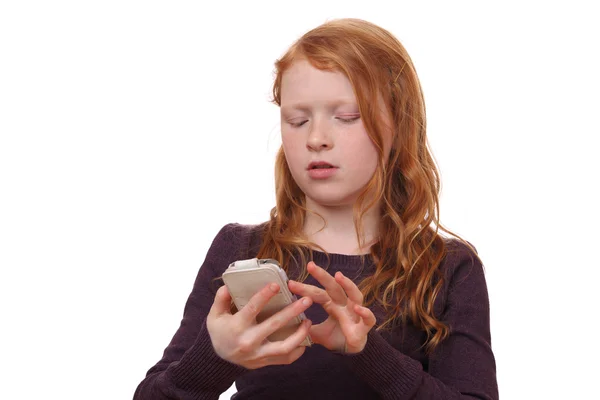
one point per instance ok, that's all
(321, 173)
(317, 163)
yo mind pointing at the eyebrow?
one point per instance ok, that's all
(305, 107)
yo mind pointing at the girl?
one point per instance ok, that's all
(396, 311)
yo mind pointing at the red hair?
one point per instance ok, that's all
(410, 249)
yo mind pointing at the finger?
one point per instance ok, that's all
(354, 317)
(290, 343)
(222, 302)
(318, 295)
(356, 332)
(320, 332)
(345, 315)
(333, 288)
(281, 318)
(352, 291)
(258, 301)
(367, 315)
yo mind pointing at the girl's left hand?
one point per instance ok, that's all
(348, 324)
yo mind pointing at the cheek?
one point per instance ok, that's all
(290, 149)
(369, 160)
(365, 153)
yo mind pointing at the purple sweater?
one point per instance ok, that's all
(393, 364)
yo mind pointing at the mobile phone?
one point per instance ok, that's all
(245, 278)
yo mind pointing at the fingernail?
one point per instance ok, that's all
(306, 301)
(274, 287)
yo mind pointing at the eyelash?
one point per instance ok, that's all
(344, 120)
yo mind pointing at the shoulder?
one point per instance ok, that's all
(237, 239)
(462, 268)
(239, 233)
(231, 243)
(458, 252)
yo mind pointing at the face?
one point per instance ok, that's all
(328, 150)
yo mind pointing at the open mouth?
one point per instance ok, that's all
(322, 166)
(319, 165)
(321, 170)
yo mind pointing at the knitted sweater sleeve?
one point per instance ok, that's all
(461, 367)
(190, 368)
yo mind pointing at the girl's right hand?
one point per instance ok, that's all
(237, 338)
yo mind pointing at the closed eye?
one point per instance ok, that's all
(297, 124)
(348, 120)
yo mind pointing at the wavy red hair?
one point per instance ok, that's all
(410, 249)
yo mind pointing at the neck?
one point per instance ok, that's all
(338, 234)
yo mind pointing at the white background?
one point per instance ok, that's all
(131, 132)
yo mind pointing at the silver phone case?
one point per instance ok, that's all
(244, 278)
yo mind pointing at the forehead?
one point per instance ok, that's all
(303, 84)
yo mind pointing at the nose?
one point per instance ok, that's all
(319, 136)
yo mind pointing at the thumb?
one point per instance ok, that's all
(222, 303)
(320, 332)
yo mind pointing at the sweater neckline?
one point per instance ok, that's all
(351, 260)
